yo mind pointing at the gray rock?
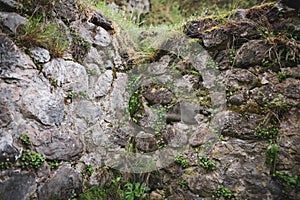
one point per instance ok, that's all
(289, 146)
(40, 104)
(40, 55)
(8, 153)
(243, 168)
(67, 10)
(146, 142)
(237, 99)
(6, 107)
(104, 84)
(9, 5)
(158, 95)
(100, 20)
(76, 78)
(65, 183)
(58, 145)
(18, 186)
(88, 111)
(12, 21)
(188, 111)
(236, 125)
(251, 53)
(290, 88)
(56, 69)
(12, 57)
(239, 78)
(92, 33)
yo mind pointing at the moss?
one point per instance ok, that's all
(214, 28)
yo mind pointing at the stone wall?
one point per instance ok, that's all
(224, 106)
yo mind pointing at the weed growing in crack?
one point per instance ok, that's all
(182, 162)
(206, 163)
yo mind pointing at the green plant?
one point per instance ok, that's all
(271, 156)
(31, 159)
(71, 94)
(182, 162)
(54, 163)
(206, 163)
(53, 82)
(232, 54)
(92, 72)
(39, 32)
(133, 190)
(222, 192)
(24, 138)
(182, 183)
(4, 165)
(282, 75)
(279, 103)
(88, 170)
(270, 132)
(135, 102)
(95, 192)
(288, 182)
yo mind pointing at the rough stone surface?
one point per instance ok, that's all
(104, 84)
(75, 109)
(92, 33)
(48, 109)
(63, 185)
(238, 126)
(146, 142)
(158, 95)
(40, 55)
(12, 21)
(252, 53)
(57, 145)
(100, 20)
(12, 57)
(9, 5)
(18, 186)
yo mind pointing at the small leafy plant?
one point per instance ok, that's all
(4, 165)
(24, 138)
(134, 102)
(222, 192)
(88, 170)
(133, 190)
(271, 156)
(206, 163)
(270, 132)
(31, 159)
(182, 162)
(54, 163)
(288, 182)
(279, 103)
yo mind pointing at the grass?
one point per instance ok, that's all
(39, 32)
